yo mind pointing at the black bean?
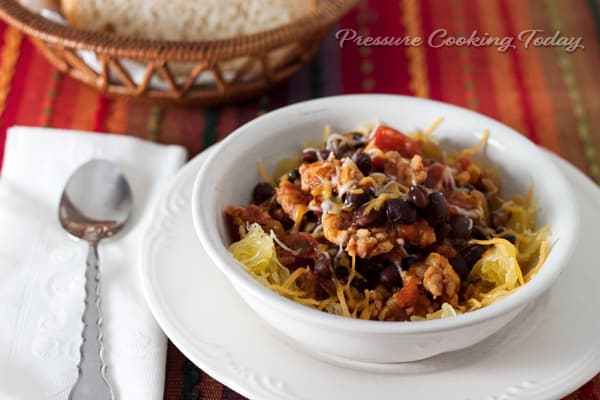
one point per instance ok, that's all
(357, 136)
(321, 293)
(463, 263)
(473, 253)
(262, 192)
(341, 273)
(481, 187)
(410, 260)
(323, 265)
(328, 285)
(437, 211)
(364, 163)
(442, 231)
(287, 223)
(458, 243)
(461, 227)
(309, 156)
(360, 284)
(511, 238)
(294, 175)
(412, 249)
(355, 200)
(390, 277)
(368, 269)
(310, 216)
(479, 233)
(399, 211)
(342, 150)
(460, 266)
(418, 196)
(362, 219)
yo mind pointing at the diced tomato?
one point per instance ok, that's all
(409, 295)
(388, 139)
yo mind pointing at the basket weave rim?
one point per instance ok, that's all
(322, 16)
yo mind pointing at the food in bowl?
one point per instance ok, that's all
(230, 173)
(375, 224)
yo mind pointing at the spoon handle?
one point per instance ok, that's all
(91, 382)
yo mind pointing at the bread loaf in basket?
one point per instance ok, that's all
(178, 51)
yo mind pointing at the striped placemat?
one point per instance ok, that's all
(527, 76)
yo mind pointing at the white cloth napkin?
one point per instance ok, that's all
(42, 268)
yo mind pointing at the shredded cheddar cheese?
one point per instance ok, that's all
(342, 299)
(473, 150)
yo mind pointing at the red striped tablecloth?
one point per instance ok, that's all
(549, 94)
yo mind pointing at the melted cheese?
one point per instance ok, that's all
(392, 190)
(300, 210)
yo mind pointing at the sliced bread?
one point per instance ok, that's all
(182, 19)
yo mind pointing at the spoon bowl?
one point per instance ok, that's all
(95, 204)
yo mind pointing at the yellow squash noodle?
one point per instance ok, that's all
(496, 274)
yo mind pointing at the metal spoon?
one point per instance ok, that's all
(95, 204)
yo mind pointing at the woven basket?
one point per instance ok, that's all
(167, 72)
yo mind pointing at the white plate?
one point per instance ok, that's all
(548, 351)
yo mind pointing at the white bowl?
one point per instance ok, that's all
(228, 176)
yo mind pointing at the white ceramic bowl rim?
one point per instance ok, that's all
(559, 255)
